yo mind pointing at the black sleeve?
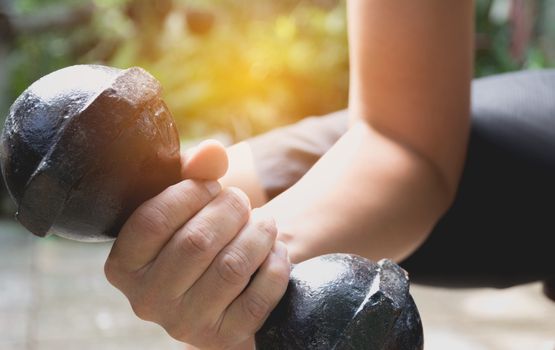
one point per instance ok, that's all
(499, 229)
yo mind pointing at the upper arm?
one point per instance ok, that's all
(411, 66)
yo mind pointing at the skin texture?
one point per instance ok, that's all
(207, 161)
(185, 257)
(400, 161)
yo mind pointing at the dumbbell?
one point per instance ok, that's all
(84, 146)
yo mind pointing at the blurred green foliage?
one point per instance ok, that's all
(235, 67)
(514, 35)
(225, 66)
(240, 67)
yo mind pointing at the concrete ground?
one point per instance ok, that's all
(53, 295)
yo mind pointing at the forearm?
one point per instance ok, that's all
(368, 195)
(382, 187)
(268, 164)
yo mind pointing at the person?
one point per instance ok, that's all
(379, 180)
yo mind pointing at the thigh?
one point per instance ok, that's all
(500, 228)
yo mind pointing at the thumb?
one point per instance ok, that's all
(207, 161)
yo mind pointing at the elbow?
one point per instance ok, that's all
(447, 176)
(437, 174)
(445, 188)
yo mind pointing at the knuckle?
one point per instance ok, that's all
(188, 331)
(233, 267)
(192, 195)
(256, 306)
(219, 343)
(278, 275)
(237, 202)
(143, 311)
(111, 271)
(267, 226)
(198, 238)
(144, 304)
(179, 332)
(117, 273)
(155, 217)
(151, 219)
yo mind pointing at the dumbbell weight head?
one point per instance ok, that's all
(83, 146)
(344, 302)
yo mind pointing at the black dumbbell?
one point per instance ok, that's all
(86, 145)
(344, 302)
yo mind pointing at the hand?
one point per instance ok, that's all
(186, 259)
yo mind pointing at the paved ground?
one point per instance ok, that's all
(53, 295)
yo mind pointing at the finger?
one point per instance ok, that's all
(246, 345)
(207, 161)
(191, 250)
(253, 306)
(152, 225)
(230, 272)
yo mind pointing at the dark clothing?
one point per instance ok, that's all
(499, 230)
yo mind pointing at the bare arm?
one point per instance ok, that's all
(411, 66)
(379, 190)
(382, 187)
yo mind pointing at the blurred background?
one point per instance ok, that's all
(230, 69)
(235, 68)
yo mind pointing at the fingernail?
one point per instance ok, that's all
(213, 187)
(209, 142)
(281, 250)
